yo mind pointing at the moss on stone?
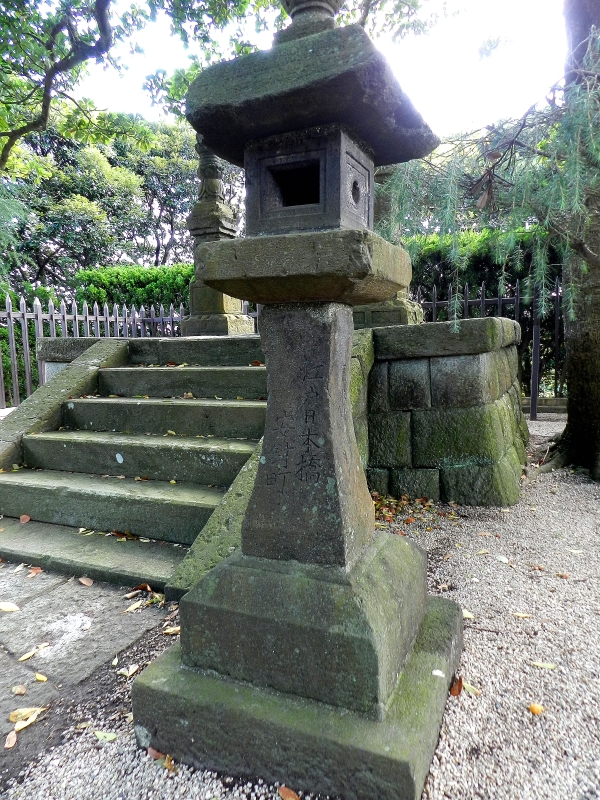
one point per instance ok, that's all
(390, 440)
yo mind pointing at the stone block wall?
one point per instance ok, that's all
(361, 363)
(444, 412)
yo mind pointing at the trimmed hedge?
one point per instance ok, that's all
(132, 285)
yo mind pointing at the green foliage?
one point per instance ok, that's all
(135, 286)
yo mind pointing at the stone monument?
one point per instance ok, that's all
(211, 219)
(312, 657)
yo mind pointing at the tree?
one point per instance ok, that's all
(544, 170)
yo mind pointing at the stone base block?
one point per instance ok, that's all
(378, 480)
(338, 637)
(474, 483)
(415, 483)
(212, 722)
(217, 325)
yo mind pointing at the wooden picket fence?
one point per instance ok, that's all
(23, 327)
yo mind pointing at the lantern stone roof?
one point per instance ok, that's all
(333, 76)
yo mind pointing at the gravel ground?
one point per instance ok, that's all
(528, 576)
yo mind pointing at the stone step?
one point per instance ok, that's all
(64, 549)
(163, 458)
(152, 509)
(227, 383)
(227, 418)
(203, 350)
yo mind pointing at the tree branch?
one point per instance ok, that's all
(79, 53)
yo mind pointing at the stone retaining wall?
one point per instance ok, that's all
(444, 412)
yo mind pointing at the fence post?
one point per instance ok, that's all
(86, 319)
(63, 319)
(52, 319)
(12, 346)
(433, 304)
(96, 321)
(39, 334)
(116, 321)
(535, 363)
(26, 354)
(75, 314)
(482, 313)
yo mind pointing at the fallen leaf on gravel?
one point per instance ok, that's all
(131, 595)
(472, 690)
(19, 568)
(81, 726)
(134, 606)
(40, 678)
(520, 615)
(577, 552)
(409, 520)
(35, 650)
(10, 740)
(9, 607)
(536, 709)
(34, 571)
(448, 556)
(543, 665)
(20, 689)
(482, 552)
(86, 581)
(105, 736)
(456, 687)
(115, 661)
(143, 587)
(169, 764)
(287, 794)
(173, 630)
(155, 754)
(129, 671)
(438, 673)
(24, 518)
(562, 575)
(173, 482)
(503, 559)
(467, 614)
(538, 567)
(484, 534)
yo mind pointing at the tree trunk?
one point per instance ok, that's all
(580, 442)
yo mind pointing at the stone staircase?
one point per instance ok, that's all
(153, 452)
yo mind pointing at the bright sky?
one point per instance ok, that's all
(442, 72)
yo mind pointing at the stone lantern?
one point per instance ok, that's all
(313, 655)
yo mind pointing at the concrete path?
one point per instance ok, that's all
(73, 630)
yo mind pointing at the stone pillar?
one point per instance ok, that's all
(211, 219)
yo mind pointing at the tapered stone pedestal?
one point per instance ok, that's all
(308, 657)
(214, 314)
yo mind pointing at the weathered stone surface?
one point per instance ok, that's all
(63, 349)
(379, 388)
(514, 394)
(434, 339)
(337, 76)
(349, 632)
(213, 313)
(358, 389)
(457, 436)
(378, 480)
(347, 266)
(464, 381)
(362, 348)
(512, 356)
(361, 431)
(41, 411)
(495, 484)
(398, 311)
(511, 332)
(331, 185)
(390, 439)
(217, 325)
(310, 500)
(208, 350)
(221, 535)
(410, 384)
(415, 483)
(10, 453)
(64, 549)
(247, 731)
